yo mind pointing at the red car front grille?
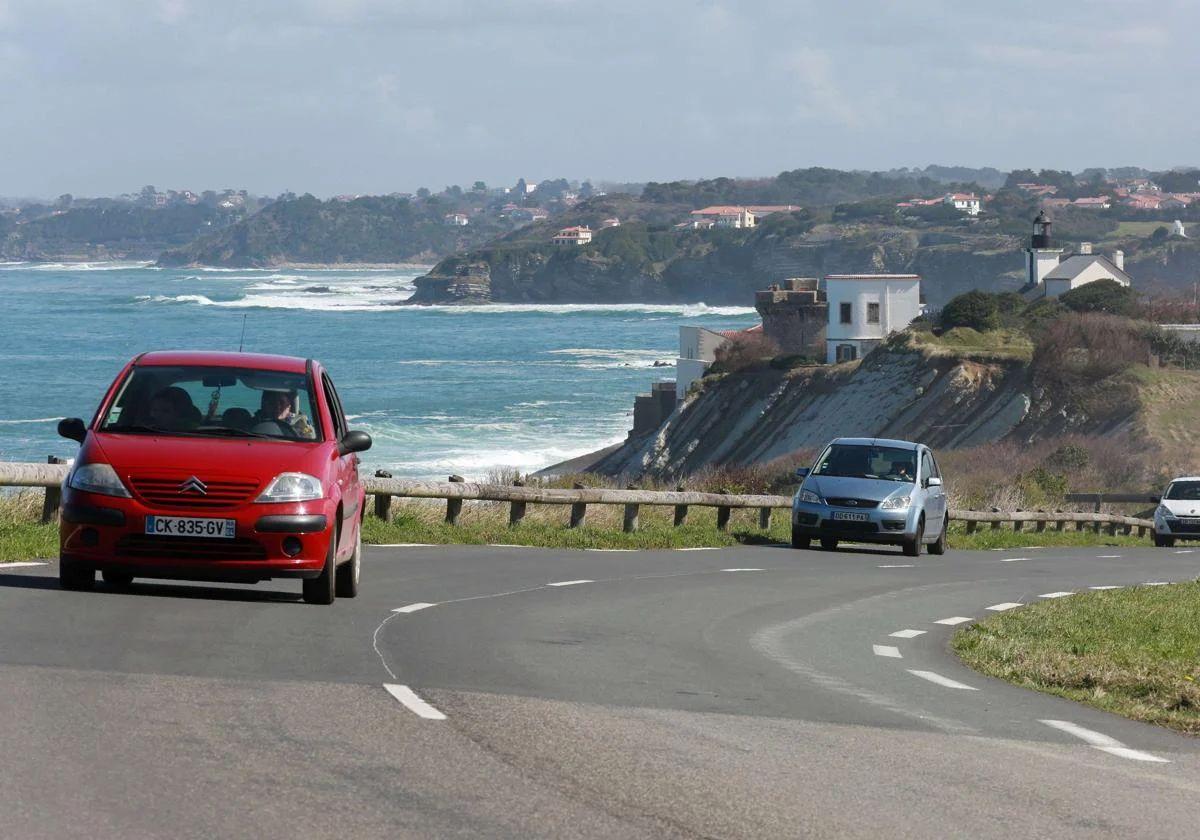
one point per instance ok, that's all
(165, 493)
(188, 548)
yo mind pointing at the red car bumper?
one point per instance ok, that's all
(271, 540)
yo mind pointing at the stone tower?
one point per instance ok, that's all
(795, 313)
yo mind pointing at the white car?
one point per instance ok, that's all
(1178, 514)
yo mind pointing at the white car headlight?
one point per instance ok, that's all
(1163, 511)
(97, 478)
(809, 497)
(292, 487)
(896, 503)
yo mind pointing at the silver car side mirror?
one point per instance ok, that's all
(933, 481)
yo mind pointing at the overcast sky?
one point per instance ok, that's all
(373, 96)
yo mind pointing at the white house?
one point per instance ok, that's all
(697, 351)
(728, 216)
(1049, 275)
(966, 202)
(573, 236)
(865, 308)
(457, 219)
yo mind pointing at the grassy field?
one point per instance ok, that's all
(1139, 229)
(22, 537)
(966, 343)
(1135, 652)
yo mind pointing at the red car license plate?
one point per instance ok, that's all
(190, 526)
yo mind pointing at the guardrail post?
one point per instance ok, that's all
(681, 511)
(996, 522)
(630, 524)
(454, 506)
(972, 526)
(516, 510)
(1141, 530)
(383, 502)
(1112, 528)
(1079, 523)
(1127, 529)
(1040, 526)
(1059, 524)
(578, 511)
(1018, 525)
(53, 498)
(764, 519)
(723, 515)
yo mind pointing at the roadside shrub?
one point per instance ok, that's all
(744, 351)
(1101, 296)
(1078, 350)
(977, 310)
(1070, 456)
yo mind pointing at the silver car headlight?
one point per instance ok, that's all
(97, 478)
(809, 497)
(292, 487)
(896, 503)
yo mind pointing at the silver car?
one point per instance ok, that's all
(872, 490)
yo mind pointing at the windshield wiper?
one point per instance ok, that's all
(230, 431)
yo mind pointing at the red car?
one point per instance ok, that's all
(216, 466)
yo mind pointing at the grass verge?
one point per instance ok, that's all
(1006, 537)
(1135, 652)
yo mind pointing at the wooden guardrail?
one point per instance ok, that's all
(519, 496)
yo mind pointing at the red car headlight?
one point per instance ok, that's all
(292, 487)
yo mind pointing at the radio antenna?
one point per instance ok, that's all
(242, 340)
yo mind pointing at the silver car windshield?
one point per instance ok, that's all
(858, 461)
(1188, 491)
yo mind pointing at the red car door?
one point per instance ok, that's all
(346, 471)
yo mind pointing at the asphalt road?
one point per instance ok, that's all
(751, 692)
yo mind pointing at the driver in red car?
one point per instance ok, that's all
(279, 406)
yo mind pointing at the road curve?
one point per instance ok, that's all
(515, 692)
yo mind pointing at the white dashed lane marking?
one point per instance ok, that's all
(1013, 559)
(1007, 605)
(21, 565)
(1104, 587)
(1056, 594)
(569, 582)
(1102, 742)
(887, 650)
(958, 619)
(907, 634)
(412, 608)
(938, 679)
(1109, 556)
(1184, 551)
(741, 570)
(412, 702)
(899, 566)
(401, 545)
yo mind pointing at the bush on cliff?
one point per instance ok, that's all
(744, 351)
(1101, 296)
(977, 310)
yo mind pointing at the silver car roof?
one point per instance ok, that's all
(858, 441)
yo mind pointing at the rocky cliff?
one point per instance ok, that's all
(948, 401)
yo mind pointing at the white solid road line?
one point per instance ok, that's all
(938, 679)
(887, 650)
(899, 566)
(701, 548)
(1056, 594)
(412, 702)
(907, 634)
(1013, 559)
(1157, 583)
(1007, 605)
(569, 582)
(958, 619)
(741, 570)
(1102, 742)
(610, 550)
(21, 565)
(412, 608)
(400, 545)
(1184, 551)
(1109, 556)
(1105, 587)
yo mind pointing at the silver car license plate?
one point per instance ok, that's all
(191, 526)
(850, 516)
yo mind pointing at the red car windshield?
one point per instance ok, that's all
(188, 401)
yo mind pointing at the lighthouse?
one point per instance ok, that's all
(1040, 258)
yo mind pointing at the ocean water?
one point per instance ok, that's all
(442, 390)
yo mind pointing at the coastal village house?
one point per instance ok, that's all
(865, 308)
(573, 236)
(697, 351)
(735, 215)
(457, 219)
(1049, 275)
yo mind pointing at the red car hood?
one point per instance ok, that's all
(258, 459)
